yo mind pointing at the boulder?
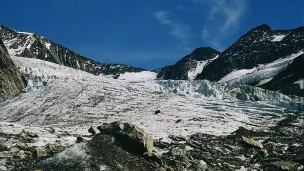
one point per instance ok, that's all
(40, 153)
(157, 112)
(129, 135)
(79, 139)
(252, 142)
(178, 120)
(3, 147)
(202, 166)
(20, 154)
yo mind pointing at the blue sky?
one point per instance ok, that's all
(147, 33)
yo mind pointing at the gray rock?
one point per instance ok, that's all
(202, 166)
(252, 142)
(129, 134)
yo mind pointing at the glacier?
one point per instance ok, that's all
(73, 100)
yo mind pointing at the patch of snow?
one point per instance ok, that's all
(10, 129)
(48, 45)
(264, 81)
(25, 33)
(236, 74)
(20, 47)
(78, 66)
(103, 167)
(287, 76)
(76, 154)
(278, 38)
(138, 76)
(199, 68)
(242, 169)
(300, 82)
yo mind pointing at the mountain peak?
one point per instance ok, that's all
(264, 27)
(204, 51)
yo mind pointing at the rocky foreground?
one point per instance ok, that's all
(124, 146)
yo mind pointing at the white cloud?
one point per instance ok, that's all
(162, 16)
(178, 30)
(224, 19)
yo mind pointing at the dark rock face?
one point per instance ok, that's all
(11, 81)
(34, 46)
(284, 81)
(255, 47)
(179, 71)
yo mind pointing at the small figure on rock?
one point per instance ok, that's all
(92, 131)
(157, 112)
(79, 140)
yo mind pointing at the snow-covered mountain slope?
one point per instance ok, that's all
(278, 75)
(254, 59)
(31, 45)
(260, 46)
(261, 72)
(189, 66)
(289, 80)
(71, 99)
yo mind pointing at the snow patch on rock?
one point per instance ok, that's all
(300, 82)
(264, 81)
(199, 68)
(236, 74)
(278, 38)
(47, 45)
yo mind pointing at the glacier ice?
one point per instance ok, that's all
(74, 100)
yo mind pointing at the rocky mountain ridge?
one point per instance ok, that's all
(260, 45)
(31, 45)
(255, 59)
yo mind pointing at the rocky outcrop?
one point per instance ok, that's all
(131, 136)
(11, 81)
